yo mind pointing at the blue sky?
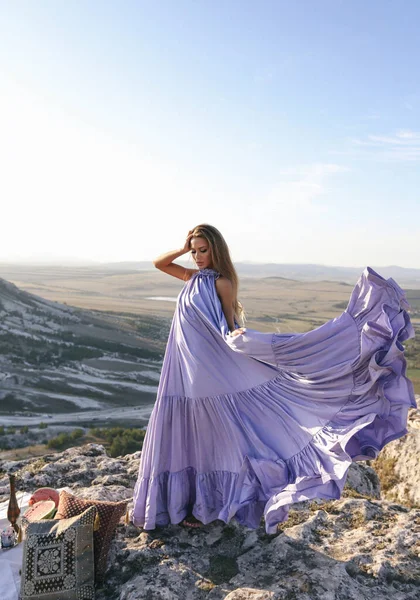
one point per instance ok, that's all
(293, 127)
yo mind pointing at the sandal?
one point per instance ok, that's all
(191, 521)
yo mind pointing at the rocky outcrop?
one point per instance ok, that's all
(360, 546)
(349, 548)
(88, 470)
(398, 464)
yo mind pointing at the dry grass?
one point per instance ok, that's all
(385, 468)
(296, 517)
(414, 375)
(17, 454)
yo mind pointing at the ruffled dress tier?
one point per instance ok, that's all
(245, 426)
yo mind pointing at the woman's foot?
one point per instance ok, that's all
(191, 521)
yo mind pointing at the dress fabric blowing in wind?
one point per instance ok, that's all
(244, 426)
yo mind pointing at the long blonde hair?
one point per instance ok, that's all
(222, 263)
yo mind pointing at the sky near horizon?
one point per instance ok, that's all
(293, 127)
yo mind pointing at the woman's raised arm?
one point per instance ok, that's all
(164, 261)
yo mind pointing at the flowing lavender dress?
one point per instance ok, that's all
(245, 426)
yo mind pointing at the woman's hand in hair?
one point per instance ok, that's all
(187, 246)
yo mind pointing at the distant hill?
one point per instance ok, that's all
(314, 272)
(409, 277)
(300, 272)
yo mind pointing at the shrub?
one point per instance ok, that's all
(77, 434)
(65, 439)
(121, 441)
(59, 442)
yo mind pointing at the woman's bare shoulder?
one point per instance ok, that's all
(223, 283)
(223, 278)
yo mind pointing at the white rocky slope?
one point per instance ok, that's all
(58, 362)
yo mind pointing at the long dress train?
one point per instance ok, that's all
(244, 426)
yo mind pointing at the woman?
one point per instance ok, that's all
(246, 423)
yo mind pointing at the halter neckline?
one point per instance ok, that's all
(208, 271)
